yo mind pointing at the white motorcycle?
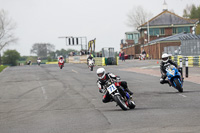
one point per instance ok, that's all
(91, 64)
(38, 62)
(142, 56)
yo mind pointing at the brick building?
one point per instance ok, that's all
(163, 25)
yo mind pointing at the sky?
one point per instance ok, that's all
(44, 21)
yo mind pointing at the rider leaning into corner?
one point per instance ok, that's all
(164, 63)
(102, 78)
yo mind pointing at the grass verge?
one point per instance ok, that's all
(2, 67)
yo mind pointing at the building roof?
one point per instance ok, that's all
(132, 32)
(169, 18)
(176, 37)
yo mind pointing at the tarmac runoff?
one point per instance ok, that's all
(150, 70)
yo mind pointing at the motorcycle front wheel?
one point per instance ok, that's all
(121, 102)
(91, 68)
(178, 85)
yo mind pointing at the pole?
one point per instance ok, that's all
(181, 66)
(148, 37)
(186, 67)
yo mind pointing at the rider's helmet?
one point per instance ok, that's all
(61, 57)
(101, 72)
(165, 57)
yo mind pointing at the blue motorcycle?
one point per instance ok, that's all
(174, 77)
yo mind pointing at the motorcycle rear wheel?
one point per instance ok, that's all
(131, 104)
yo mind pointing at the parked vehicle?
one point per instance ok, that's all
(174, 77)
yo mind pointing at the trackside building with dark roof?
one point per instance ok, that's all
(154, 35)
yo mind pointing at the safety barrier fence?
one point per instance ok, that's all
(192, 60)
(99, 61)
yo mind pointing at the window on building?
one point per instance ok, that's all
(154, 31)
(181, 29)
(151, 32)
(174, 30)
(162, 31)
(130, 36)
(136, 38)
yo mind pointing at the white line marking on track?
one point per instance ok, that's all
(182, 95)
(43, 91)
(74, 71)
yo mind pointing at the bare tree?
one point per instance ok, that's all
(7, 27)
(138, 16)
(187, 11)
(42, 49)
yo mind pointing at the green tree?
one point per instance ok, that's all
(42, 49)
(62, 52)
(10, 57)
(192, 12)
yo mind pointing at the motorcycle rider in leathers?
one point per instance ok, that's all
(61, 58)
(102, 78)
(90, 57)
(164, 63)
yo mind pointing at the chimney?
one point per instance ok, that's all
(165, 8)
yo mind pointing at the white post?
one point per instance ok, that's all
(148, 30)
(186, 67)
(181, 65)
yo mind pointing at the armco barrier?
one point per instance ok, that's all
(199, 60)
(192, 60)
(99, 61)
(51, 62)
(77, 59)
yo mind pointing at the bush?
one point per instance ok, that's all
(10, 57)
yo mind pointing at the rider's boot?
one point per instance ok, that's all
(166, 81)
(130, 92)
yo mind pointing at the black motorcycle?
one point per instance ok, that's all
(119, 95)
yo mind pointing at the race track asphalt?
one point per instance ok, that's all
(46, 99)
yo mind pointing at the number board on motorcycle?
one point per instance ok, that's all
(111, 88)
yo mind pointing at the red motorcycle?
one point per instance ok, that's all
(61, 63)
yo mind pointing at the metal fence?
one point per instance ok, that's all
(173, 50)
(192, 60)
(190, 45)
(108, 52)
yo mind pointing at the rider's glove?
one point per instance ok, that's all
(101, 90)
